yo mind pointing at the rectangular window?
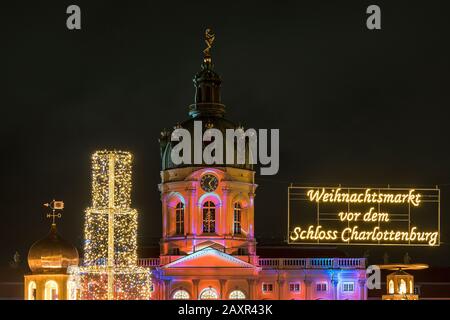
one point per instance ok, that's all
(209, 217)
(348, 287)
(179, 219)
(321, 286)
(237, 219)
(179, 223)
(267, 287)
(237, 223)
(294, 287)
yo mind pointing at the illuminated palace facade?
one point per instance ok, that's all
(208, 248)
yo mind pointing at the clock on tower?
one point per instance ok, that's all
(209, 182)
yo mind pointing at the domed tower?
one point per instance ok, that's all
(49, 259)
(206, 205)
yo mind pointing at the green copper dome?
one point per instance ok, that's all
(208, 109)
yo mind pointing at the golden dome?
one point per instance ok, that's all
(52, 254)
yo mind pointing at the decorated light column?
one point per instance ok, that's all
(111, 187)
(110, 268)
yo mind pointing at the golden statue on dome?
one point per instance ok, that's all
(209, 39)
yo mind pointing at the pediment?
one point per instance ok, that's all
(208, 258)
(209, 244)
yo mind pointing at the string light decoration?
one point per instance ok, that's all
(110, 270)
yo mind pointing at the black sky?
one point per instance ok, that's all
(354, 107)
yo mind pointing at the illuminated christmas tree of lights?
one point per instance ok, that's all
(110, 269)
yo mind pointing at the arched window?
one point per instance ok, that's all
(179, 218)
(180, 295)
(71, 290)
(209, 217)
(51, 290)
(402, 287)
(209, 294)
(237, 295)
(391, 287)
(237, 218)
(32, 290)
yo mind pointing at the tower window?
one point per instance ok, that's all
(179, 218)
(209, 217)
(237, 218)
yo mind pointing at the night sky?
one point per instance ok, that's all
(354, 107)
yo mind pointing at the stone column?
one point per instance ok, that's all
(251, 215)
(195, 289)
(167, 289)
(156, 294)
(223, 283)
(40, 289)
(307, 285)
(251, 289)
(158, 288)
(62, 289)
(362, 289)
(164, 215)
(224, 222)
(334, 284)
(193, 216)
(189, 211)
(281, 289)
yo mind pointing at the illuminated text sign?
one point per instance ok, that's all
(363, 216)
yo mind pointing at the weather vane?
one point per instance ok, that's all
(209, 39)
(54, 205)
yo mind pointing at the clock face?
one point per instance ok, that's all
(209, 182)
